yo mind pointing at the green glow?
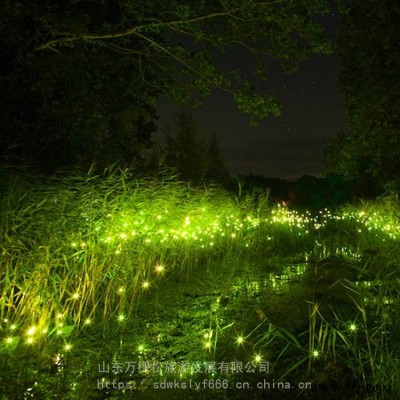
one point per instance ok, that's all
(68, 347)
(240, 340)
(145, 284)
(121, 317)
(160, 268)
(353, 327)
(146, 235)
(208, 345)
(31, 331)
(257, 358)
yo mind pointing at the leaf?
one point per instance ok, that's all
(66, 330)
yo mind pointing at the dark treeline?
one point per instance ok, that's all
(79, 82)
(308, 191)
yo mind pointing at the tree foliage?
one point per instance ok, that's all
(368, 45)
(79, 79)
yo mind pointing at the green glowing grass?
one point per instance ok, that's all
(87, 247)
(78, 252)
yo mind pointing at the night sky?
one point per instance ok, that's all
(288, 146)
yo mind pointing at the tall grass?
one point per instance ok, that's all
(81, 250)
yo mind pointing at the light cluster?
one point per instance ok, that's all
(129, 249)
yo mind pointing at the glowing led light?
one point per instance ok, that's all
(5, 320)
(207, 345)
(68, 347)
(208, 334)
(76, 296)
(257, 358)
(31, 331)
(160, 268)
(9, 340)
(13, 327)
(121, 317)
(87, 321)
(315, 353)
(121, 290)
(141, 348)
(145, 284)
(240, 339)
(353, 327)
(30, 340)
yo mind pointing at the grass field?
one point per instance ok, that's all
(83, 258)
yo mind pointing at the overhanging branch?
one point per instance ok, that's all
(68, 37)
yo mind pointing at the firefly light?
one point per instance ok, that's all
(145, 284)
(240, 340)
(257, 358)
(121, 317)
(353, 327)
(68, 347)
(31, 331)
(160, 268)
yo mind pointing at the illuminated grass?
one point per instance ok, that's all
(85, 248)
(79, 252)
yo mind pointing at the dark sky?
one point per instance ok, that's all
(287, 146)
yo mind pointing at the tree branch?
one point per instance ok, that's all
(66, 37)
